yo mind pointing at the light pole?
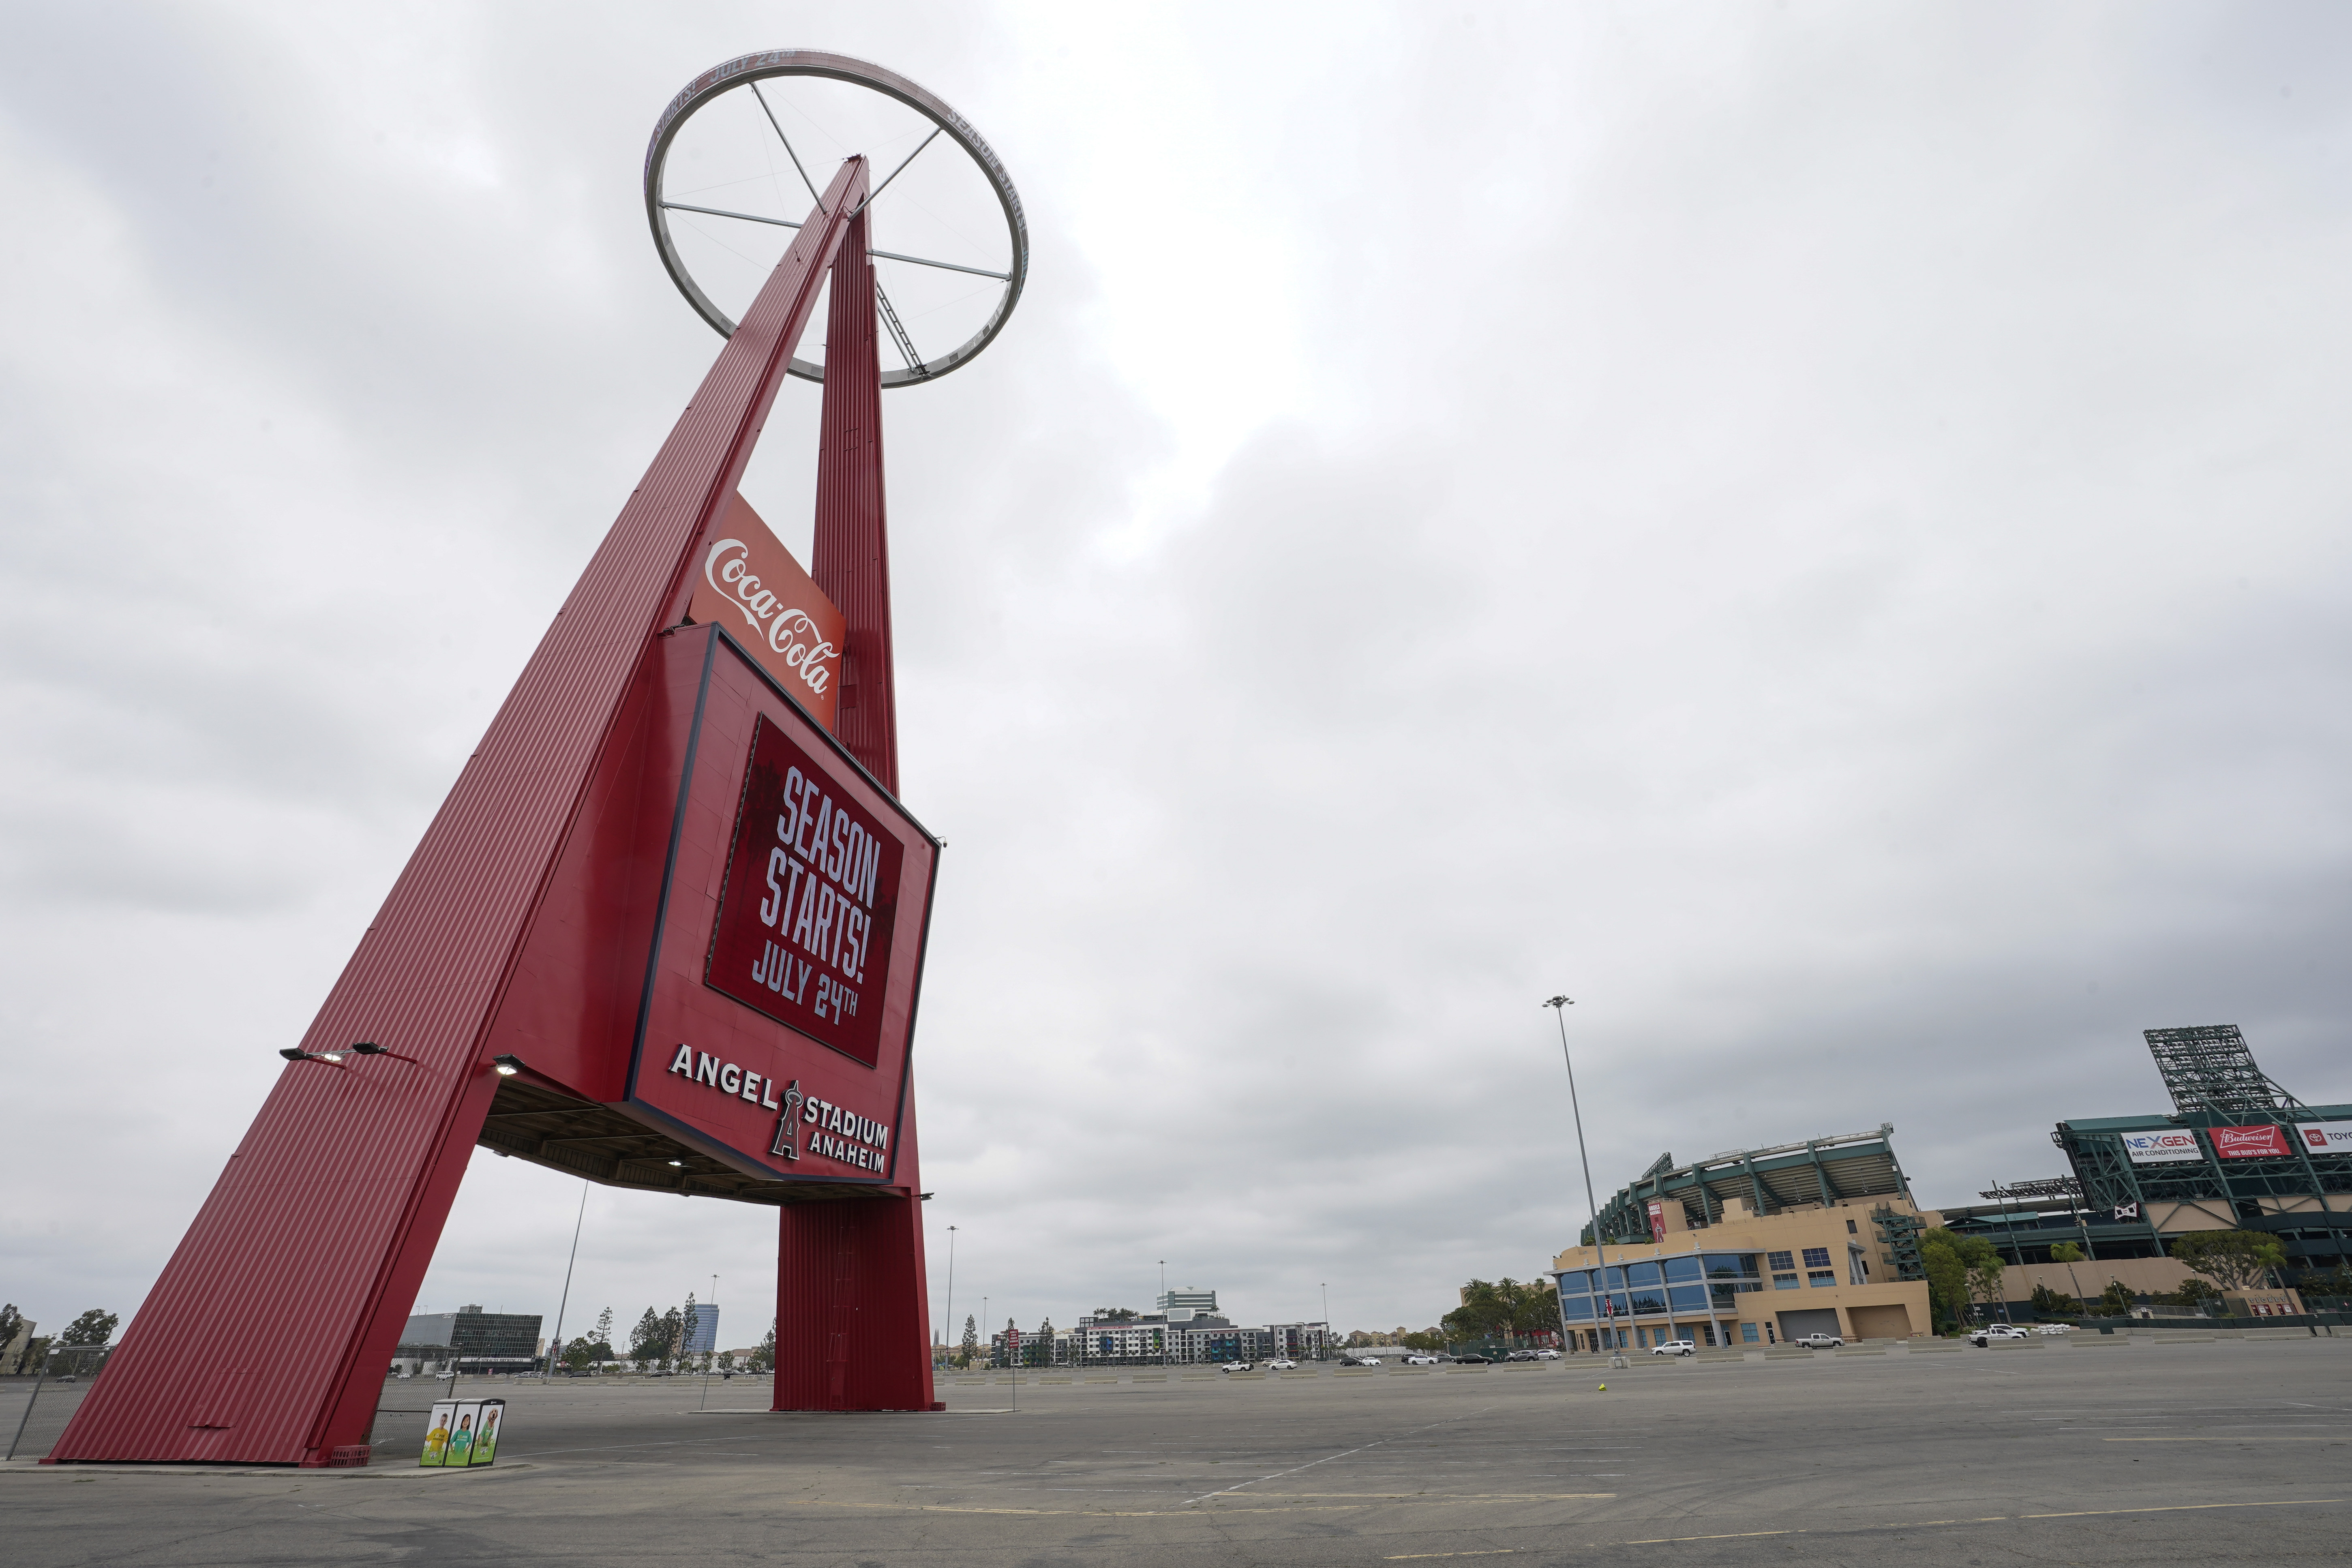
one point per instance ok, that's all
(951, 1230)
(1560, 1006)
(1163, 1314)
(555, 1346)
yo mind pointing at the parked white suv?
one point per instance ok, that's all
(1675, 1347)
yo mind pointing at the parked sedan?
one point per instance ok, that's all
(1421, 1361)
(1360, 1360)
(1283, 1364)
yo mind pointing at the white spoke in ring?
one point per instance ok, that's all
(787, 141)
(717, 212)
(885, 255)
(949, 266)
(898, 171)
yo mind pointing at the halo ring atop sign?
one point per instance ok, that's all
(746, 71)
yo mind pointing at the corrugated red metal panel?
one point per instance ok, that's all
(330, 1208)
(852, 1330)
(852, 1321)
(851, 555)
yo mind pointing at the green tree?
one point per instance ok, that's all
(1114, 1314)
(1425, 1340)
(604, 1335)
(1944, 1256)
(1044, 1354)
(94, 1327)
(648, 1339)
(764, 1358)
(2233, 1259)
(578, 1353)
(2115, 1300)
(11, 1323)
(2067, 1253)
(969, 1351)
(2052, 1303)
(1504, 1309)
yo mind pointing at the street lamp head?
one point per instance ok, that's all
(1561, 1002)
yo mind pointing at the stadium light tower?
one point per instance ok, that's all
(1560, 1006)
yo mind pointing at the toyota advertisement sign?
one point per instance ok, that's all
(2326, 1137)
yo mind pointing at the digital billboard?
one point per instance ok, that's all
(778, 1002)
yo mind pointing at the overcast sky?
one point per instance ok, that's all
(1818, 530)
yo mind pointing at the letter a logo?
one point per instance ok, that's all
(788, 1130)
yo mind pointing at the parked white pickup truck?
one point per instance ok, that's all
(1992, 1332)
(1818, 1342)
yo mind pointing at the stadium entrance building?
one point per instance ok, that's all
(1755, 1247)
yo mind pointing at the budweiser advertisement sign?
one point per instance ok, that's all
(1658, 1221)
(750, 583)
(2249, 1142)
(810, 902)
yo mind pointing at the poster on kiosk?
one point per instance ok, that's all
(463, 1433)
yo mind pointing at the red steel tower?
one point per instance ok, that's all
(666, 934)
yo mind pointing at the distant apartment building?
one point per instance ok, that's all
(1187, 1332)
(467, 1340)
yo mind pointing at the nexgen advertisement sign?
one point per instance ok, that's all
(2161, 1148)
(2249, 1142)
(2326, 1137)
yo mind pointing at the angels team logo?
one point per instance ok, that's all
(788, 1132)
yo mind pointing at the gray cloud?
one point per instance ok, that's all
(1818, 531)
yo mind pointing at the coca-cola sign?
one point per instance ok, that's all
(751, 586)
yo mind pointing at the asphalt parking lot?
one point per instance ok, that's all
(2123, 1453)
